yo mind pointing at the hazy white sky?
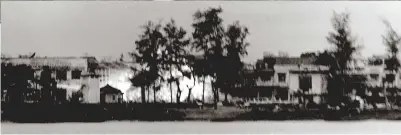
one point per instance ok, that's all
(70, 28)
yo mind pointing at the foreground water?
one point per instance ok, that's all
(132, 127)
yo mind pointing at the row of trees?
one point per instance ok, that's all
(163, 50)
(345, 47)
(18, 80)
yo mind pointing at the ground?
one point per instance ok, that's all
(238, 127)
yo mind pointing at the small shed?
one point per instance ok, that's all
(109, 94)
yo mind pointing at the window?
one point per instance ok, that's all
(376, 62)
(281, 77)
(61, 75)
(390, 77)
(266, 76)
(374, 76)
(76, 74)
(305, 82)
(282, 94)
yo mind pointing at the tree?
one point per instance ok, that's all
(201, 69)
(121, 58)
(144, 80)
(46, 83)
(236, 49)
(17, 81)
(345, 47)
(76, 97)
(148, 55)
(308, 55)
(325, 58)
(174, 54)
(208, 38)
(392, 40)
(194, 73)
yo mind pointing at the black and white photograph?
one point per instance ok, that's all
(200, 67)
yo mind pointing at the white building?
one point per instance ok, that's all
(285, 76)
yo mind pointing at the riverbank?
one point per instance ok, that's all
(159, 112)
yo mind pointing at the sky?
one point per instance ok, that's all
(107, 29)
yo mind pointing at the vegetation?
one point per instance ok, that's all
(392, 40)
(148, 55)
(235, 48)
(345, 48)
(175, 55)
(166, 53)
(208, 38)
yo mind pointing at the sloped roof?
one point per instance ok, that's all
(110, 90)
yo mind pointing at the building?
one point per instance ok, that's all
(285, 78)
(73, 74)
(382, 82)
(110, 94)
(280, 78)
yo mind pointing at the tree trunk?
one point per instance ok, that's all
(171, 86)
(203, 92)
(189, 95)
(225, 97)
(154, 93)
(190, 91)
(171, 92)
(148, 93)
(178, 94)
(385, 96)
(143, 94)
(215, 94)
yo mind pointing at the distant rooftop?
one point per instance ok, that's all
(292, 60)
(295, 61)
(71, 62)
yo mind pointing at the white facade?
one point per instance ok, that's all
(113, 98)
(91, 90)
(318, 78)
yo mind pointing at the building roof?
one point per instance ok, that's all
(294, 61)
(55, 62)
(109, 90)
(291, 60)
(117, 65)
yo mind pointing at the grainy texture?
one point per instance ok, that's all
(122, 127)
